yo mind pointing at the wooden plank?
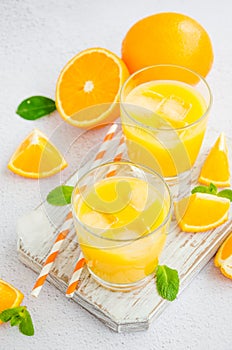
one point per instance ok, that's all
(122, 312)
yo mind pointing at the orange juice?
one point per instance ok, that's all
(116, 220)
(164, 121)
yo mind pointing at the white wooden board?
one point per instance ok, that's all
(122, 312)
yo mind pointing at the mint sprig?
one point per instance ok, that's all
(212, 189)
(35, 107)
(19, 316)
(60, 195)
(167, 282)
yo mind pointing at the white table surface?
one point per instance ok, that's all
(36, 40)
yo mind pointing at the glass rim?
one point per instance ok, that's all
(167, 217)
(201, 78)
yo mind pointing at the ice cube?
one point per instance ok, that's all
(139, 196)
(174, 108)
(148, 99)
(153, 96)
(98, 220)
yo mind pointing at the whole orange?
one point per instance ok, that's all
(168, 38)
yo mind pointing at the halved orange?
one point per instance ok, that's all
(36, 157)
(223, 258)
(216, 168)
(201, 212)
(87, 90)
(9, 296)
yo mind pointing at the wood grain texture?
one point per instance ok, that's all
(122, 312)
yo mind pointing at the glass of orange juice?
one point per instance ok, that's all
(164, 112)
(121, 222)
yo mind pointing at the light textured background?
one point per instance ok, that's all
(36, 40)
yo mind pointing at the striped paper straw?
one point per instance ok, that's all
(75, 276)
(66, 226)
(81, 261)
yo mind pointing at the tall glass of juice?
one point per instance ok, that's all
(121, 213)
(164, 112)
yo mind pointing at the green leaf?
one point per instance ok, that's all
(26, 326)
(19, 316)
(15, 320)
(35, 107)
(225, 194)
(201, 189)
(61, 195)
(211, 189)
(7, 314)
(167, 282)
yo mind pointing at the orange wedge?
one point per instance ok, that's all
(9, 296)
(223, 258)
(216, 168)
(201, 212)
(36, 157)
(87, 90)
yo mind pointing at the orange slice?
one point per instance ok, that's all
(201, 212)
(87, 90)
(36, 157)
(216, 168)
(223, 258)
(9, 296)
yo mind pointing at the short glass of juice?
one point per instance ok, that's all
(164, 112)
(121, 213)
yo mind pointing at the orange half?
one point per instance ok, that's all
(216, 168)
(36, 157)
(223, 258)
(87, 90)
(9, 296)
(201, 212)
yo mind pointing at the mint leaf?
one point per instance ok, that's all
(201, 189)
(15, 320)
(35, 107)
(61, 195)
(7, 314)
(211, 189)
(225, 194)
(167, 282)
(26, 326)
(19, 316)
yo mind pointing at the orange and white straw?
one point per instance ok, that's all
(75, 278)
(65, 228)
(81, 261)
(104, 146)
(64, 231)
